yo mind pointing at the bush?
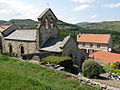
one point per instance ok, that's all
(115, 65)
(111, 70)
(55, 59)
(91, 69)
(63, 61)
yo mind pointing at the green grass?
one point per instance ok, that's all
(21, 75)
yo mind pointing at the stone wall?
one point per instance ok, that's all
(71, 49)
(29, 47)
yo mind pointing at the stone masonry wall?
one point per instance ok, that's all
(29, 47)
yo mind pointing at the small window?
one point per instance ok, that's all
(98, 45)
(51, 24)
(10, 48)
(83, 44)
(91, 45)
(46, 23)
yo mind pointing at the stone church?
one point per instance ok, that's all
(44, 39)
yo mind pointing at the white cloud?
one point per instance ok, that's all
(111, 5)
(81, 7)
(68, 19)
(84, 1)
(17, 9)
(93, 17)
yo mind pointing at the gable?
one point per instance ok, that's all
(45, 13)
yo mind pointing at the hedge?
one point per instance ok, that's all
(91, 69)
(55, 59)
(63, 61)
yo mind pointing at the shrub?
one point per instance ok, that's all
(115, 65)
(111, 70)
(55, 59)
(91, 69)
(64, 61)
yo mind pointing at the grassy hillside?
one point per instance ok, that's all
(21, 75)
(107, 25)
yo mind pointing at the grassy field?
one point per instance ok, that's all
(21, 75)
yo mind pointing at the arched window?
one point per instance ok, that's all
(46, 23)
(21, 49)
(51, 24)
(10, 48)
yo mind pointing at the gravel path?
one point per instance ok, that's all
(105, 80)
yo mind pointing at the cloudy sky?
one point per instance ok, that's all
(72, 11)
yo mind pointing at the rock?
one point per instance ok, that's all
(36, 58)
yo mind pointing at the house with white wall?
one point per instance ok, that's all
(91, 43)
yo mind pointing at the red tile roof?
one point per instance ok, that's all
(95, 38)
(106, 56)
(4, 26)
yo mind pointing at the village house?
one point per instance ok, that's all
(43, 39)
(91, 43)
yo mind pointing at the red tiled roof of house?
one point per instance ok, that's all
(4, 26)
(106, 56)
(95, 38)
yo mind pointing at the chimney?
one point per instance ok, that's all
(78, 36)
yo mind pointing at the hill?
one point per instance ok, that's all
(21, 75)
(23, 23)
(31, 24)
(73, 30)
(106, 25)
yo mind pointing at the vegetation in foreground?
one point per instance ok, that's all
(21, 75)
(113, 68)
(91, 69)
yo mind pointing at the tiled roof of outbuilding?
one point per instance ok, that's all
(25, 35)
(94, 38)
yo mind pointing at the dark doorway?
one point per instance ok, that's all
(10, 48)
(0, 42)
(71, 56)
(22, 50)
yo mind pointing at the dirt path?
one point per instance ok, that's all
(105, 80)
